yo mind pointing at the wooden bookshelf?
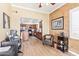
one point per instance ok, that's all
(62, 43)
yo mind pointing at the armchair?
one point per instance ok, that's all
(48, 39)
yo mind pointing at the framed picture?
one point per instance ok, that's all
(58, 23)
(6, 21)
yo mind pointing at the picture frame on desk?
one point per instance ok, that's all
(58, 23)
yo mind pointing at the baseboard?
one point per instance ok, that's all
(74, 53)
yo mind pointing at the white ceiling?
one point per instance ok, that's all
(35, 7)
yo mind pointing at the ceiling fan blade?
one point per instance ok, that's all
(40, 5)
(52, 3)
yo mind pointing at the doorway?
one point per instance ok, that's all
(30, 27)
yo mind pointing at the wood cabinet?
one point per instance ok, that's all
(38, 35)
(62, 43)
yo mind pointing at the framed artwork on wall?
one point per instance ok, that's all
(6, 21)
(58, 23)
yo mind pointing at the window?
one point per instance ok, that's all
(74, 23)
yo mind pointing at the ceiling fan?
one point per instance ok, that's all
(40, 5)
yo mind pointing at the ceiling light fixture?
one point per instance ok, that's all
(40, 5)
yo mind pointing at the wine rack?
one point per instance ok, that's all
(62, 43)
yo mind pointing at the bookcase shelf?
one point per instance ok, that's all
(62, 43)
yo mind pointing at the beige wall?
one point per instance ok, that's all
(64, 11)
(3, 8)
(15, 19)
(29, 14)
(74, 45)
